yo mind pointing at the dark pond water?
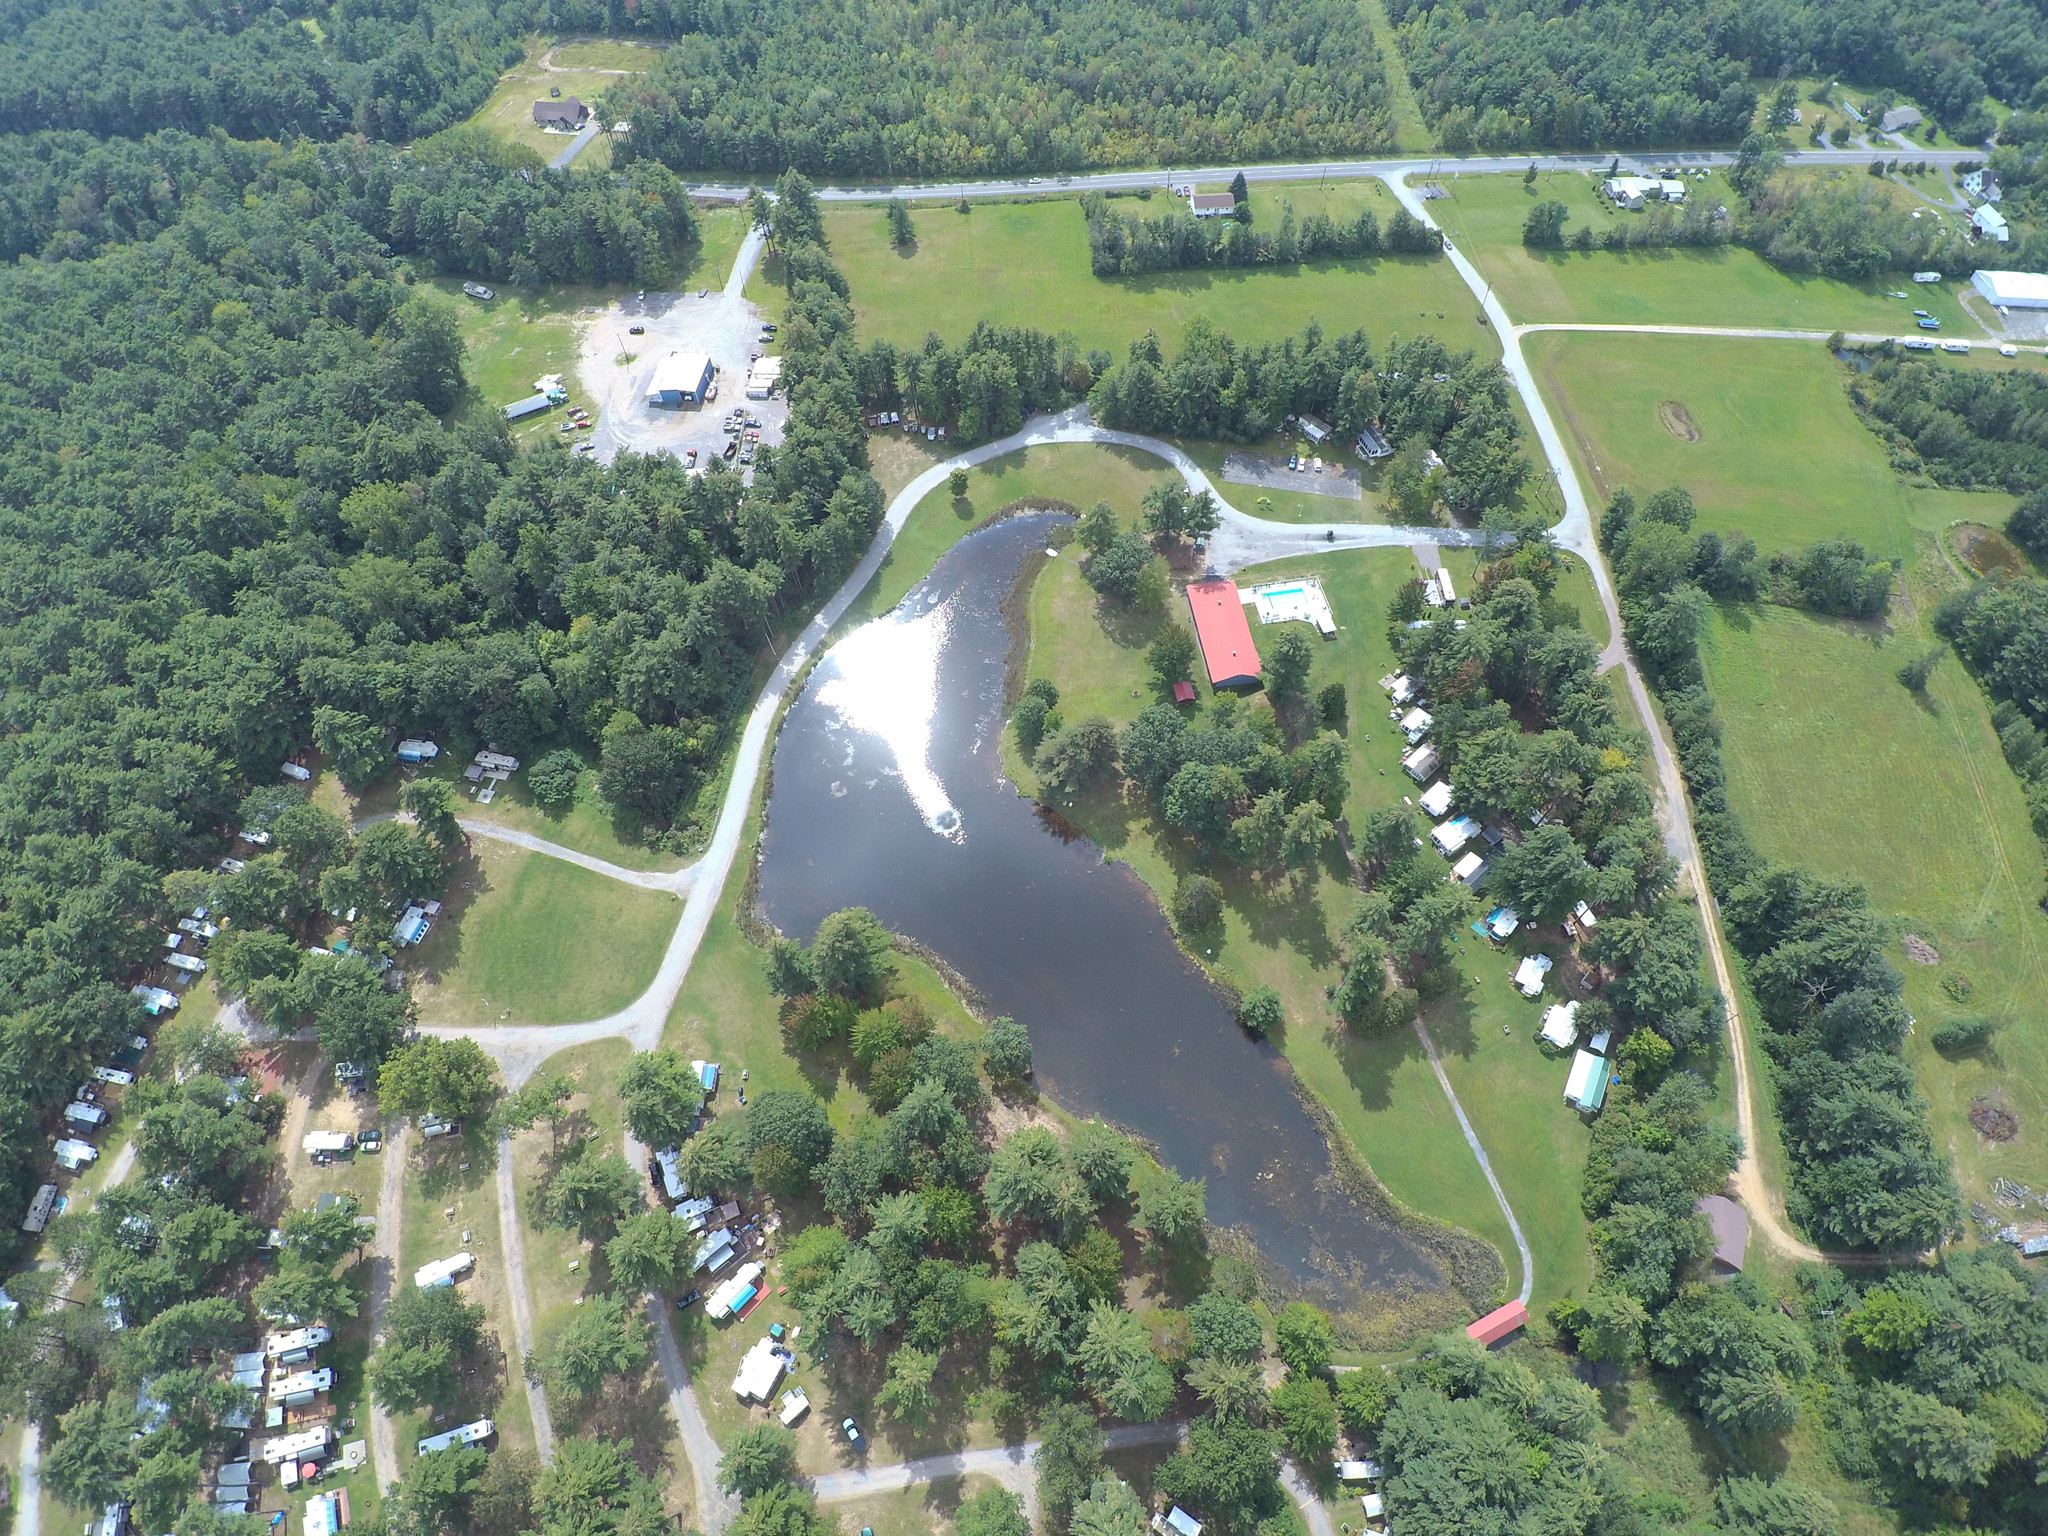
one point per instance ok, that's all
(889, 793)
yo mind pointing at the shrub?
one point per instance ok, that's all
(1260, 1012)
(552, 780)
(1914, 674)
(1331, 706)
(1960, 1036)
(1030, 722)
(1197, 903)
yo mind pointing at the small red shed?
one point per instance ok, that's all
(1499, 1323)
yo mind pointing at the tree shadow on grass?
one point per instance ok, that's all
(625, 1408)
(1370, 1062)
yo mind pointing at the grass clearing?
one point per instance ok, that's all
(510, 341)
(1831, 763)
(626, 55)
(451, 1206)
(508, 113)
(1725, 285)
(925, 1510)
(1079, 474)
(1823, 746)
(1026, 263)
(586, 825)
(1779, 453)
(521, 940)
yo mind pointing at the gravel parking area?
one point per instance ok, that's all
(717, 322)
(1334, 479)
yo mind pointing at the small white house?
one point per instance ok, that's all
(1991, 224)
(1421, 764)
(1530, 973)
(1585, 1087)
(1400, 687)
(726, 1298)
(73, 1154)
(1415, 725)
(1470, 870)
(1436, 799)
(1211, 205)
(1315, 429)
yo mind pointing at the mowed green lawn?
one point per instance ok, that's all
(1834, 766)
(1831, 763)
(533, 940)
(1720, 286)
(1780, 454)
(1079, 474)
(1027, 264)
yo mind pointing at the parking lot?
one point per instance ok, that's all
(1334, 478)
(716, 322)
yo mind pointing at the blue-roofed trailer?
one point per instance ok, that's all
(532, 405)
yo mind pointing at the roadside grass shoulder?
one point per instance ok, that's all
(925, 1510)
(520, 939)
(1026, 263)
(1724, 285)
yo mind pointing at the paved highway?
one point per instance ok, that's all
(1422, 166)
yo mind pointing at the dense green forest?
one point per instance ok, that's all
(917, 88)
(390, 69)
(1666, 72)
(237, 517)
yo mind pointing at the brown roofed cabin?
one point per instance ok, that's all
(569, 112)
(1731, 1232)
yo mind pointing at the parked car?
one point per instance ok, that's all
(690, 459)
(636, 330)
(852, 1432)
(478, 291)
(2007, 349)
(688, 1299)
(433, 1126)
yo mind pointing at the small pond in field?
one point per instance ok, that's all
(889, 793)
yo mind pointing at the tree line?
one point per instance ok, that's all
(1121, 245)
(1417, 390)
(462, 201)
(913, 89)
(1653, 73)
(1865, 1171)
(387, 69)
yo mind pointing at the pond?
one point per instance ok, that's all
(889, 793)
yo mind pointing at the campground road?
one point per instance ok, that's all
(1337, 170)
(1575, 533)
(513, 1242)
(383, 1276)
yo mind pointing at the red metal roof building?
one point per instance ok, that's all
(1499, 1323)
(1226, 638)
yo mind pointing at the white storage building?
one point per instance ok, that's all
(2014, 290)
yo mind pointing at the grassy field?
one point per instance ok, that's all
(585, 825)
(534, 938)
(1026, 263)
(1779, 453)
(1830, 762)
(1381, 1091)
(510, 341)
(1724, 286)
(576, 72)
(1824, 748)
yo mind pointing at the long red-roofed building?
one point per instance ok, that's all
(1499, 1323)
(1225, 636)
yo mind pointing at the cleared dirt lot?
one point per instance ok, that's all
(717, 322)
